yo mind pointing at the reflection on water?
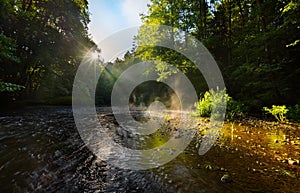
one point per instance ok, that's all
(41, 151)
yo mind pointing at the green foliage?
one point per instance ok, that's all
(294, 113)
(235, 109)
(170, 13)
(293, 44)
(279, 112)
(218, 100)
(203, 107)
(9, 87)
(7, 49)
(167, 117)
(256, 44)
(42, 43)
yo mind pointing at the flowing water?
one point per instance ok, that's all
(41, 151)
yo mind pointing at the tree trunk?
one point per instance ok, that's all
(229, 32)
(267, 51)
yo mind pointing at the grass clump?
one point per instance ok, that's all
(279, 112)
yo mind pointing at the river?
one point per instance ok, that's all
(41, 151)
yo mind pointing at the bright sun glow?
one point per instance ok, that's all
(94, 55)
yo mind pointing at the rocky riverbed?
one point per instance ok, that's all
(41, 151)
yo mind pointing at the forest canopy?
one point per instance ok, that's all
(41, 46)
(255, 43)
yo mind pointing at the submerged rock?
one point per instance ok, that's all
(226, 179)
(57, 153)
(293, 162)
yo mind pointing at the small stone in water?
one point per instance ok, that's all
(226, 179)
(57, 153)
(293, 162)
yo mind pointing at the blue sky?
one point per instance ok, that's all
(110, 16)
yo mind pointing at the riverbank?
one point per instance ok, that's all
(260, 155)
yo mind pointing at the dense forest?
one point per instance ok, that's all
(41, 46)
(255, 43)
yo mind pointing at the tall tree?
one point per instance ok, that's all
(256, 44)
(51, 38)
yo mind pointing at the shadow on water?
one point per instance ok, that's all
(41, 151)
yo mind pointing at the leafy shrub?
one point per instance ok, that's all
(203, 107)
(294, 113)
(218, 100)
(9, 87)
(235, 109)
(278, 112)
